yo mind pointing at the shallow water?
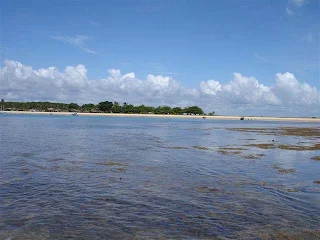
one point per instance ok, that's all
(64, 177)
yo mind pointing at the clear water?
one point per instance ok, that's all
(64, 177)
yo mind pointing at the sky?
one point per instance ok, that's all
(231, 57)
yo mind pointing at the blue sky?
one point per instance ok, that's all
(190, 41)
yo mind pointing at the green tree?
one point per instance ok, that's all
(105, 106)
(177, 110)
(142, 109)
(193, 110)
(163, 110)
(88, 107)
(129, 108)
(73, 106)
(116, 108)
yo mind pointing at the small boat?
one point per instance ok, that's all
(74, 114)
(242, 118)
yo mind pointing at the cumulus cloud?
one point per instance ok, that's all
(291, 92)
(78, 41)
(248, 90)
(210, 87)
(241, 95)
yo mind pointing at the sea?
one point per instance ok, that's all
(84, 177)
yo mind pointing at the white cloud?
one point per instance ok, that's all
(257, 56)
(248, 90)
(210, 87)
(291, 92)
(309, 38)
(299, 3)
(295, 4)
(93, 23)
(289, 11)
(241, 95)
(78, 41)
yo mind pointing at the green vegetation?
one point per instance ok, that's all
(105, 107)
(73, 106)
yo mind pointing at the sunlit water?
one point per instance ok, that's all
(64, 177)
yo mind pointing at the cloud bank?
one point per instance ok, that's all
(241, 95)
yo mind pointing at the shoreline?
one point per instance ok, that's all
(289, 119)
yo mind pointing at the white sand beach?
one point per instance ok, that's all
(254, 118)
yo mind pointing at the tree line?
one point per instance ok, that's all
(105, 107)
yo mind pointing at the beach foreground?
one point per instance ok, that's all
(254, 118)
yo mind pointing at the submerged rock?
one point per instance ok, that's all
(111, 164)
(200, 148)
(283, 170)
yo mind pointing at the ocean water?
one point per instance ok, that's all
(74, 177)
